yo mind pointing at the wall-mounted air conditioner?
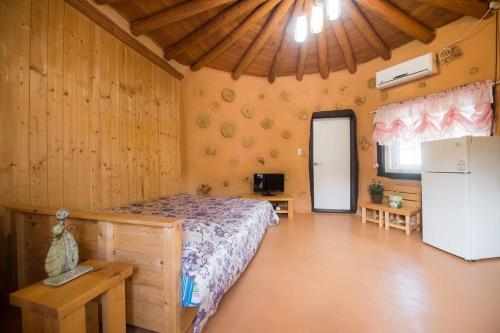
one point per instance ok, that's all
(407, 71)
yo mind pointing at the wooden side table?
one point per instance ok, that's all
(275, 198)
(62, 309)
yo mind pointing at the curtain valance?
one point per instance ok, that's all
(457, 112)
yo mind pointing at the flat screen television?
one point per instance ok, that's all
(268, 183)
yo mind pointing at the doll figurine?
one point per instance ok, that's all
(63, 252)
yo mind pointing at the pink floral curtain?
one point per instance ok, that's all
(454, 113)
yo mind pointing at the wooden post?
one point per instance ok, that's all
(380, 219)
(419, 221)
(363, 215)
(18, 227)
(407, 224)
(386, 220)
(113, 309)
(290, 209)
(172, 251)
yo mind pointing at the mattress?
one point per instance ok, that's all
(220, 237)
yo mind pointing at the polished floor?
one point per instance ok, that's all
(330, 273)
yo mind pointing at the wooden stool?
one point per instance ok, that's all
(62, 309)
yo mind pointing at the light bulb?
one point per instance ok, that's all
(333, 9)
(301, 28)
(317, 17)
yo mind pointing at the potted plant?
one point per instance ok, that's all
(376, 190)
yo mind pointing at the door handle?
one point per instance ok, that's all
(317, 164)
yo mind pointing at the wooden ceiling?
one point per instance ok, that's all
(255, 37)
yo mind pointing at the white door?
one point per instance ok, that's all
(332, 163)
(445, 208)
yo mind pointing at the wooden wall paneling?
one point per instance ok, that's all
(177, 116)
(155, 134)
(69, 108)
(146, 135)
(14, 113)
(54, 103)
(124, 117)
(5, 87)
(162, 136)
(95, 119)
(38, 103)
(105, 118)
(83, 104)
(131, 129)
(139, 105)
(86, 121)
(115, 123)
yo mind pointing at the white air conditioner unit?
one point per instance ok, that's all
(407, 71)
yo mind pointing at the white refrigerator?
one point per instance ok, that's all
(461, 196)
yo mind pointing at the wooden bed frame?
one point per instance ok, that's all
(152, 244)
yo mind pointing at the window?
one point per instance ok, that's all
(401, 160)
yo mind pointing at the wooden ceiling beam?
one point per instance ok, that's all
(227, 15)
(366, 30)
(322, 45)
(269, 28)
(345, 45)
(474, 8)
(399, 19)
(107, 2)
(301, 61)
(173, 14)
(236, 34)
(283, 48)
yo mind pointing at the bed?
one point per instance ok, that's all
(196, 244)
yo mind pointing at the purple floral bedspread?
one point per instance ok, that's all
(220, 237)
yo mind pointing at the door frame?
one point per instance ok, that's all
(347, 113)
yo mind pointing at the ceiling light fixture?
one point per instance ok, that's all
(333, 11)
(301, 28)
(317, 17)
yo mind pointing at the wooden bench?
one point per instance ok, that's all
(406, 218)
(63, 309)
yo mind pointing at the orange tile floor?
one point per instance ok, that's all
(330, 273)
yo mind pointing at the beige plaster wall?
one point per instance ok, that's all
(229, 166)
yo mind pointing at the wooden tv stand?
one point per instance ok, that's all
(278, 198)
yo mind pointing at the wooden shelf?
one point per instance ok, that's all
(274, 199)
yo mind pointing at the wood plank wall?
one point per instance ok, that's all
(85, 121)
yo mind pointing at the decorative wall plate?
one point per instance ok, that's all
(227, 130)
(384, 95)
(286, 134)
(247, 142)
(260, 160)
(473, 70)
(234, 162)
(274, 153)
(303, 115)
(228, 95)
(247, 111)
(203, 121)
(210, 151)
(204, 189)
(214, 106)
(371, 83)
(286, 96)
(359, 100)
(266, 123)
